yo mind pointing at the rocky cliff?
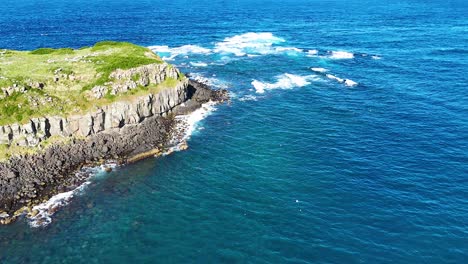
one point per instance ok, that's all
(113, 116)
(122, 131)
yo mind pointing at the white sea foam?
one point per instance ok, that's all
(284, 81)
(199, 64)
(248, 43)
(46, 210)
(312, 53)
(340, 55)
(347, 82)
(350, 83)
(186, 125)
(248, 97)
(289, 51)
(375, 57)
(321, 70)
(333, 77)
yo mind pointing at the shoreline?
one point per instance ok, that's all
(154, 136)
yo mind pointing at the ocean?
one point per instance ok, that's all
(346, 139)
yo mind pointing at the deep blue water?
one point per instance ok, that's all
(309, 171)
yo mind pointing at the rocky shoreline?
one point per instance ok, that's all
(32, 179)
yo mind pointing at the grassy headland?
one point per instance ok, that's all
(48, 81)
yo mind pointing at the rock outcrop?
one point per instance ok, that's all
(113, 116)
(120, 131)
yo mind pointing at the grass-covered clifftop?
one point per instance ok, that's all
(61, 82)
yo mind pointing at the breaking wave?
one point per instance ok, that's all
(199, 64)
(42, 214)
(320, 70)
(186, 125)
(248, 43)
(312, 53)
(340, 55)
(284, 81)
(347, 82)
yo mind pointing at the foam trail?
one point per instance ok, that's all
(312, 53)
(350, 83)
(199, 64)
(375, 57)
(290, 51)
(333, 77)
(320, 70)
(186, 125)
(250, 44)
(347, 82)
(341, 55)
(284, 81)
(46, 210)
(248, 97)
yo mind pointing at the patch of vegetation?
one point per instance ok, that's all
(47, 51)
(134, 56)
(136, 77)
(57, 80)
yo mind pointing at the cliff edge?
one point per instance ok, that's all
(82, 107)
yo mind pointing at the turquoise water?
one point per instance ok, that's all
(300, 167)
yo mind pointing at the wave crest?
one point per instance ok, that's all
(284, 81)
(341, 55)
(252, 42)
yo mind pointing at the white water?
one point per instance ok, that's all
(187, 125)
(321, 70)
(312, 53)
(347, 82)
(248, 97)
(341, 55)
(284, 81)
(199, 64)
(248, 43)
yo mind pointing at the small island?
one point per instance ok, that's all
(61, 109)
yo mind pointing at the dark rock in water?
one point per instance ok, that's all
(32, 178)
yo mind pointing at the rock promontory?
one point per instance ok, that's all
(64, 108)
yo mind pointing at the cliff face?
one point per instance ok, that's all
(123, 131)
(111, 101)
(113, 116)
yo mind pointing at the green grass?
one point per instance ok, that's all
(48, 51)
(78, 71)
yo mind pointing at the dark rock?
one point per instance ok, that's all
(40, 176)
